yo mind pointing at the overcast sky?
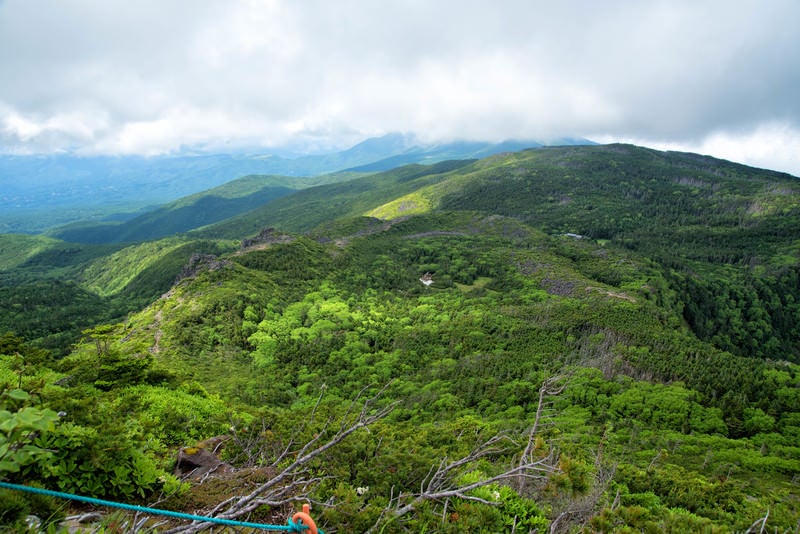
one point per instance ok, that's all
(152, 76)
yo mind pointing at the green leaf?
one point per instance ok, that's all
(18, 394)
(29, 417)
(8, 467)
(7, 425)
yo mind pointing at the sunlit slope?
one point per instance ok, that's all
(158, 262)
(26, 257)
(16, 249)
(310, 207)
(638, 196)
(104, 271)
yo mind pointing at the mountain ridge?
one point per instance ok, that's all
(43, 191)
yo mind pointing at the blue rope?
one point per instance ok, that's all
(291, 527)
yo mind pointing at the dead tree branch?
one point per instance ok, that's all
(576, 512)
(441, 484)
(295, 481)
(551, 387)
(763, 524)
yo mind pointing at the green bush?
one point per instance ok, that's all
(19, 428)
(16, 506)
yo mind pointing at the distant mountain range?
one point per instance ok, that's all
(43, 191)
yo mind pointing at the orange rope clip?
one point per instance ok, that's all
(306, 519)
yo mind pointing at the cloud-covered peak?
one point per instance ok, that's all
(151, 77)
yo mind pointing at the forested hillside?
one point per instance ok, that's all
(724, 234)
(195, 211)
(578, 339)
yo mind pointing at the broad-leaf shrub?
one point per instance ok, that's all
(19, 429)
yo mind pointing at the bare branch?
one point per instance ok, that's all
(441, 484)
(577, 512)
(762, 521)
(291, 484)
(550, 387)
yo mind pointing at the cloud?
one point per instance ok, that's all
(152, 76)
(50, 133)
(773, 143)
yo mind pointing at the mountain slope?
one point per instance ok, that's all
(52, 290)
(726, 234)
(313, 206)
(194, 211)
(589, 310)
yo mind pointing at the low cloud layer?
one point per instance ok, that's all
(154, 77)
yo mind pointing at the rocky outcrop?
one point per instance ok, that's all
(202, 460)
(200, 262)
(267, 236)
